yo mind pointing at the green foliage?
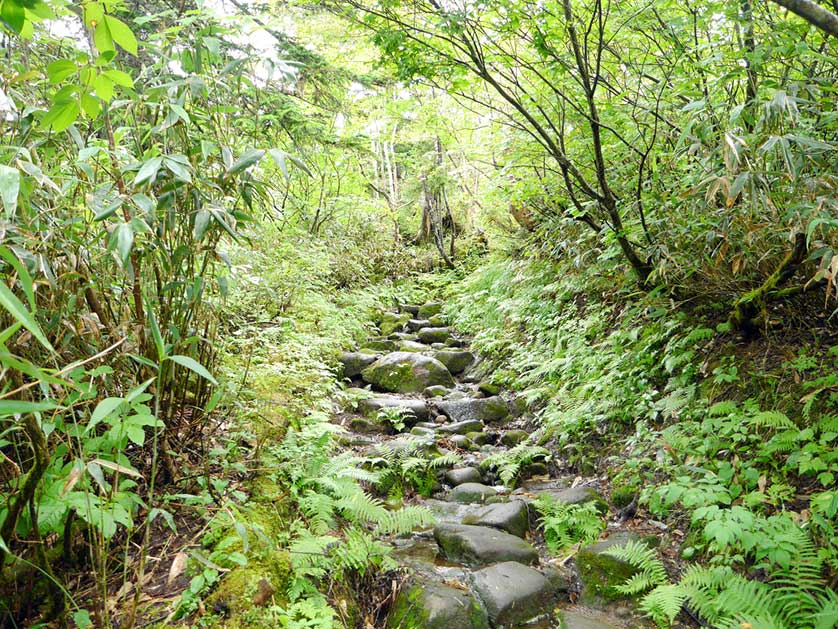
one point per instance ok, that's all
(567, 524)
(508, 463)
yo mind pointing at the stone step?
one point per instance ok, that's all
(477, 546)
(514, 593)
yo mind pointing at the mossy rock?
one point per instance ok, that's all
(488, 388)
(438, 320)
(623, 496)
(436, 606)
(238, 589)
(600, 573)
(406, 372)
(429, 310)
(381, 345)
(392, 322)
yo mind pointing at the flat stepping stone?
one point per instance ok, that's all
(460, 475)
(414, 325)
(481, 546)
(456, 360)
(381, 345)
(393, 322)
(415, 410)
(514, 593)
(412, 346)
(433, 335)
(412, 309)
(431, 605)
(429, 309)
(488, 409)
(406, 372)
(355, 362)
(579, 620)
(512, 517)
(471, 492)
(438, 321)
(462, 428)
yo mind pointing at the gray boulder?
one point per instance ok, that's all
(514, 593)
(471, 492)
(381, 345)
(512, 438)
(433, 335)
(431, 605)
(578, 620)
(412, 346)
(436, 391)
(457, 361)
(481, 546)
(355, 362)
(415, 410)
(406, 372)
(490, 409)
(511, 517)
(429, 309)
(460, 475)
(414, 325)
(461, 428)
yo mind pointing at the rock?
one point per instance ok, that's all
(488, 388)
(599, 573)
(578, 620)
(433, 335)
(414, 325)
(403, 336)
(455, 360)
(461, 441)
(461, 428)
(457, 395)
(421, 431)
(354, 362)
(437, 321)
(511, 517)
(436, 391)
(365, 426)
(430, 425)
(480, 546)
(514, 593)
(460, 475)
(392, 322)
(405, 372)
(430, 605)
(577, 496)
(437, 346)
(478, 438)
(452, 342)
(536, 468)
(488, 409)
(512, 438)
(381, 345)
(471, 492)
(440, 419)
(411, 346)
(415, 410)
(409, 308)
(429, 309)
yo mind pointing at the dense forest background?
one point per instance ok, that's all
(630, 206)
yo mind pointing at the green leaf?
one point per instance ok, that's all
(124, 241)
(193, 365)
(245, 160)
(82, 619)
(90, 105)
(11, 303)
(104, 409)
(119, 77)
(121, 33)
(9, 188)
(158, 338)
(13, 15)
(103, 87)
(103, 39)
(62, 114)
(22, 407)
(281, 159)
(23, 275)
(179, 166)
(59, 70)
(148, 170)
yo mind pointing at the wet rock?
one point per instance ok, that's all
(452, 342)
(429, 309)
(455, 360)
(460, 475)
(511, 517)
(471, 492)
(434, 335)
(514, 593)
(437, 321)
(402, 336)
(577, 496)
(536, 468)
(461, 441)
(412, 309)
(366, 426)
(411, 346)
(414, 325)
(488, 388)
(478, 438)
(579, 620)
(354, 362)
(436, 391)
(438, 346)
(481, 546)
(393, 322)
(432, 605)
(415, 410)
(461, 428)
(405, 372)
(599, 573)
(457, 395)
(512, 438)
(488, 409)
(421, 431)
(381, 345)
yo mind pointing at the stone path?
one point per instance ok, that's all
(482, 565)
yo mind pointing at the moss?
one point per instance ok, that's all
(623, 496)
(600, 573)
(391, 322)
(236, 590)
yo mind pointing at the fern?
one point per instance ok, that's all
(650, 570)
(567, 524)
(508, 463)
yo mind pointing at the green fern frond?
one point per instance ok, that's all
(664, 603)
(775, 420)
(720, 409)
(643, 559)
(406, 520)
(826, 616)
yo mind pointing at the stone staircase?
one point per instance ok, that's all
(483, 564)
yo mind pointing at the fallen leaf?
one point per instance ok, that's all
(177, 567)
